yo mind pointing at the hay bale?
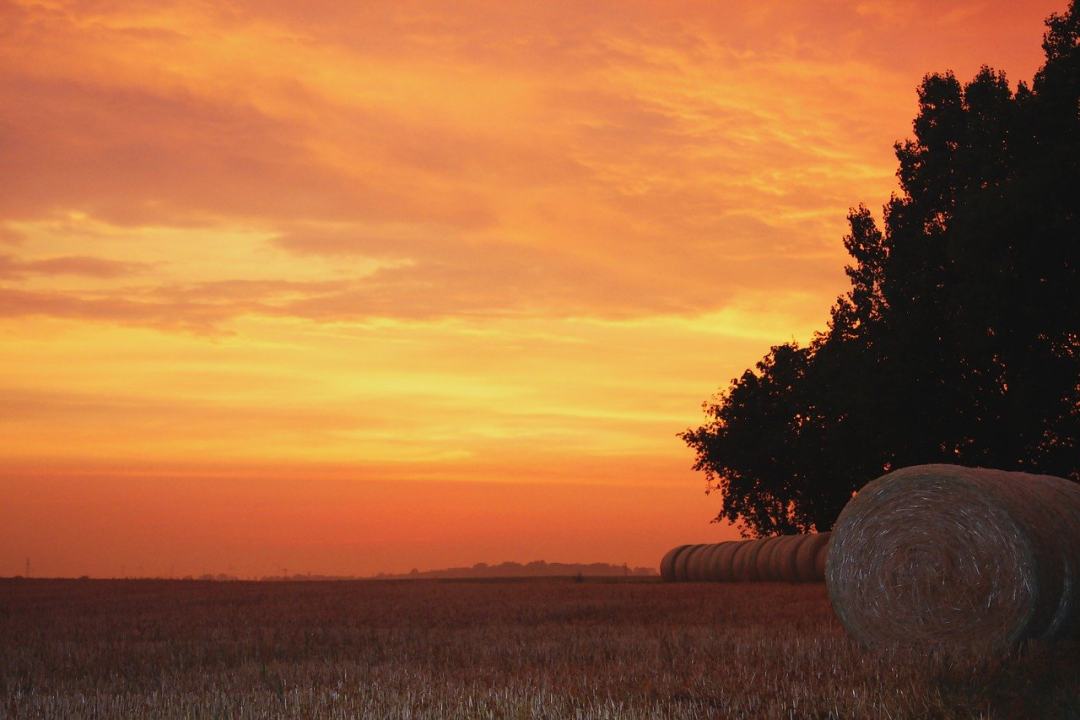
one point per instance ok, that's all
(682, 563)
(764, 557)
(744, 561)
(783, 566)
(942, 555)
(723, 568)
(774, 572)
(819, 561)
(708, 571)
(667, 563)
(796, 548)
(807, 555)
(682, 560)
(695, 564)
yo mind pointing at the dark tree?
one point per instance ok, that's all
(959, 338)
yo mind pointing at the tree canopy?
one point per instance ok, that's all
(959, 338)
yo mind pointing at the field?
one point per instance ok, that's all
(492, 649)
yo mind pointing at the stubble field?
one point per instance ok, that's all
(494, 649)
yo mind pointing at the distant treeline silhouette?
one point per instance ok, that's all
(537, 568)
(959, 339)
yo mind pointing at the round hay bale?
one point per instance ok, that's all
(681, 562)
(942, 555)
(744, 561)
(771, 572)
(707, 562)
(723, 568)
(793, 567)
(783, 558)
(764, 557)
(774, 559)
(695, 564)
(667, 563)
(819, 561)
(707, 570)
(806, 557)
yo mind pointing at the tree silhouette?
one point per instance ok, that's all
(959, 337)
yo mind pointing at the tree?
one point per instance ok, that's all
(959, 337)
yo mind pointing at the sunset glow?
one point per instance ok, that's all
(346, 290)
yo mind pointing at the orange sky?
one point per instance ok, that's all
(339, 290)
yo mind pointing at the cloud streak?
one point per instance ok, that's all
(79, 265)
(518, 159)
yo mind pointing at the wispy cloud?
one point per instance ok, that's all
(80, 265)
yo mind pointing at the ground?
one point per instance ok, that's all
(548, 648)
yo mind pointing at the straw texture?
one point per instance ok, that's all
(943, 555)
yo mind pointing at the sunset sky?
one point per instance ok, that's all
(354, 289)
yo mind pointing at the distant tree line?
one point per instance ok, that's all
(959, 338)
(536, 568)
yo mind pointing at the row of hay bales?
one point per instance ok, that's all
(930, 556)
(783, 558)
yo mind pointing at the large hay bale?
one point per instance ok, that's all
(682, 560)
(744, 561)
(723, 568)
(764, 557)
(667, 563)
(807, 555)
(942, 555)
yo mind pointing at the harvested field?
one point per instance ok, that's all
(492, 649)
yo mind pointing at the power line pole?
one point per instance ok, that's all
(27, 567)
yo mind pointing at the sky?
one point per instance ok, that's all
(344, 288)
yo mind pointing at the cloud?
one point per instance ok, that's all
(44, 406)
(201, 308)
(9, 236)
(516, 283)
(79, 265)
(133, 156)
(201, 318)
(500, 159)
